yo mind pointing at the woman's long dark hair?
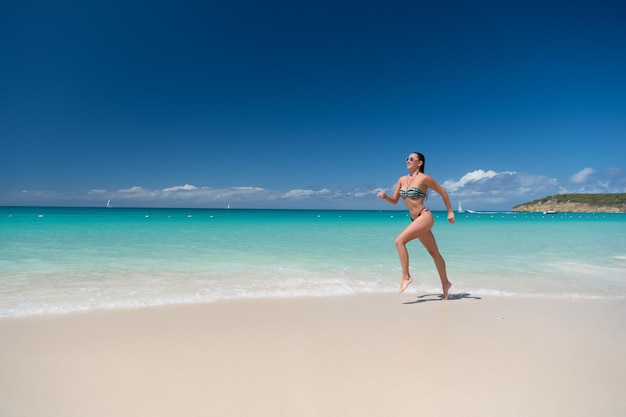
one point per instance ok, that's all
(421, 157)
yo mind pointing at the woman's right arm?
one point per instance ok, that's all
(391, 199)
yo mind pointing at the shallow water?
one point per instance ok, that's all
(57, 260)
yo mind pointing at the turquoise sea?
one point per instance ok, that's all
(60, 260)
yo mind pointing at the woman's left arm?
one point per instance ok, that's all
(444, 195)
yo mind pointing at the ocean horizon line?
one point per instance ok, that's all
(245, 208)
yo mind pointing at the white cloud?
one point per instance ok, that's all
(96, 191)
(477, 175)
(301, 193)
(249, 189)
(136, 192)
(190, 195)
(185, 187)
(581, 176)
(134, 189)
(366, 193)
(472, 178)
(478, 190)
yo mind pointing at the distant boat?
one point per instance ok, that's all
(552, 210)
(109, 203)
(460, 210)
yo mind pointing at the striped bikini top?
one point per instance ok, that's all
(412, 192)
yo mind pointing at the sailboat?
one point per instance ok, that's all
(460, 209)
(552, 210)
(109, 203)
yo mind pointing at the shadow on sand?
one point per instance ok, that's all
(439, 297)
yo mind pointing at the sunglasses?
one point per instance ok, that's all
(410, 159)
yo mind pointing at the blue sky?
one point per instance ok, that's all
(288, 104)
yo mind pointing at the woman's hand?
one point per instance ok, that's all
(451, 217)
(382, 195)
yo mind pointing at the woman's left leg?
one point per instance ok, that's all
(418, 227)
(428, 240)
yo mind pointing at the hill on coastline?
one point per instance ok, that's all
(577, 203)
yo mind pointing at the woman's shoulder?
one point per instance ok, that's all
(427, 180)
(430, 182)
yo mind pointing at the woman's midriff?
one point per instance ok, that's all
(416, 209)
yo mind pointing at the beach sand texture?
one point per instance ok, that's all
(365, 355)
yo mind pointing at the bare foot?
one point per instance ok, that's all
(446, 288)
(405, 283)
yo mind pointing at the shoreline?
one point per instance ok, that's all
(421, 292)
(365, 355)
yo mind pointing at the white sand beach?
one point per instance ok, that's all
(366, 355)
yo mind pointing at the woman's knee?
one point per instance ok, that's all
(401, 241)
